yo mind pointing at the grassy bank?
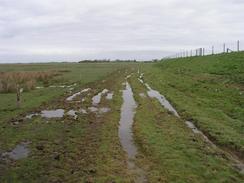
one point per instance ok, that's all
(207, 90)
(171, 152)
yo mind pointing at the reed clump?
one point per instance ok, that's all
(26, 80)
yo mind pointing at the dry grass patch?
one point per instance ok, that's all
(26, 80)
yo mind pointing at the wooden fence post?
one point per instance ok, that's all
(238, 45)
(18, 95)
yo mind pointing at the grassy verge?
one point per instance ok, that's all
(208, 90)
(170, 152)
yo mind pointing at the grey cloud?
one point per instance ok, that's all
(74, 30)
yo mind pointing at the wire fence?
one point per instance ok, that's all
(210, 50)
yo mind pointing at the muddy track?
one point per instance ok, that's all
(73, 157)
(114, 133)
(128, 110)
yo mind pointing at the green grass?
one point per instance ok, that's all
(208, 90)
(88, 148)
(72, 73)
(170, 152)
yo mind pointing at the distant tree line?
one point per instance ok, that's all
(117, 60)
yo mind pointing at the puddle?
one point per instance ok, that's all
(155, 94)
(29, 116)
(165, 103)
(99, 110)
(72, 113)
(197, 131)
(53, 86)
(19, 152)
(58, 86)
(141, 81)
(70, 98)
(97, 98)
(58, 113)
(192, 126)
(85, 90)
(104, 110)
(127, 77)
(125, 131)
(62, 86)
(39, 87)
(110, 96)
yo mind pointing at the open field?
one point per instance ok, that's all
(110, 122)
(71, 73)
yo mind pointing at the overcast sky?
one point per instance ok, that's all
(72, 30)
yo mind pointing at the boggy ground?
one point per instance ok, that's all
(88, 149)
(66, 150)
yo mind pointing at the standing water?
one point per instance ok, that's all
(19, 152)
(97, 98)
(125, 132)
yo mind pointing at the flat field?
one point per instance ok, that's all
(73, 127)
